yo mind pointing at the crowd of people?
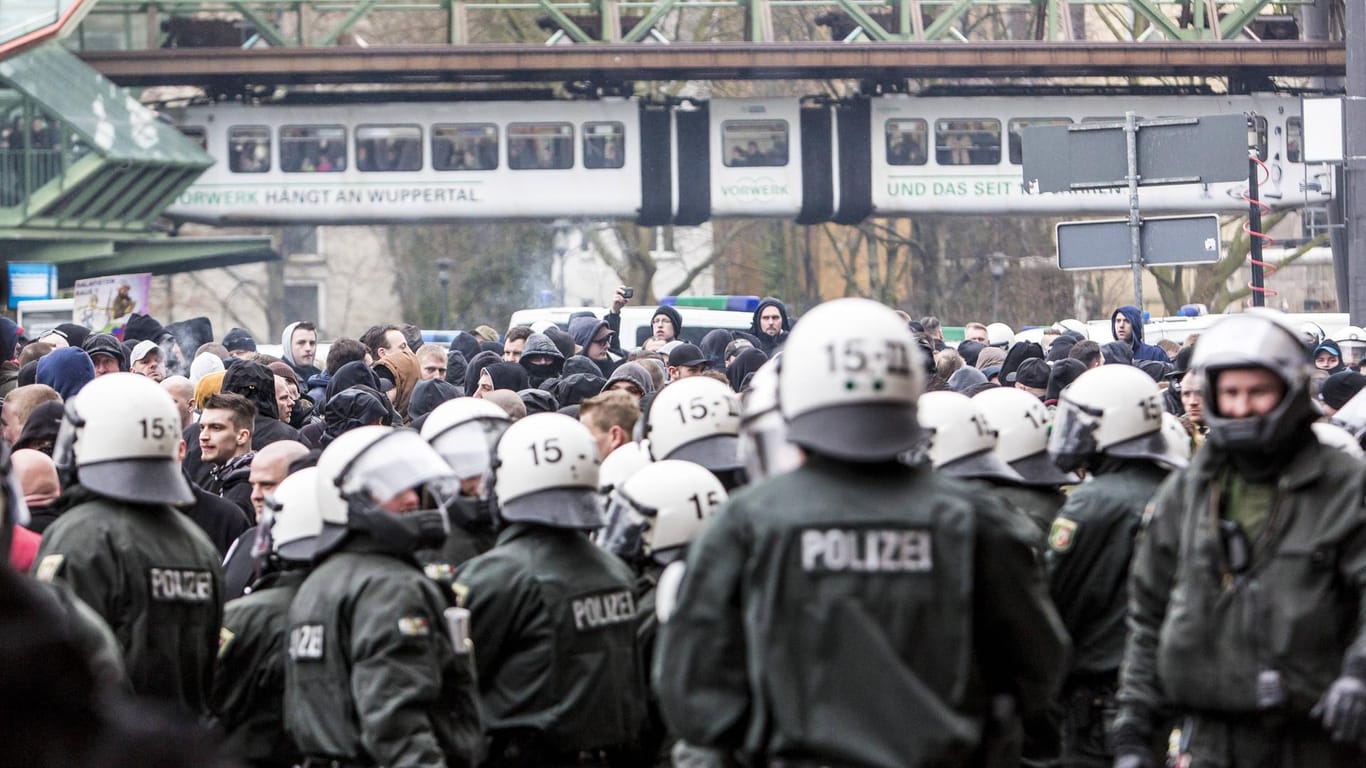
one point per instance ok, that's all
(834, 542)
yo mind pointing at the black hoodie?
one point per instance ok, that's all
(769, 343)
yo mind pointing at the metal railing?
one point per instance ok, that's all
(24, 170)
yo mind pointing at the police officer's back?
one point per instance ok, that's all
(1109, 423)
(1249, 579)
(854, 611)
(653, 516)
(144, 567)
(374, 677)
(249, 684)
(552, 616)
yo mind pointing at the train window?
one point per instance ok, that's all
(604, 145)
(1016, 128)
(1258, 133)
(540, 146)
(754, 143)
(312, 148)
(250, 149)
(1294, 139)
(967, 142)
(906, 142)
(197, 134)
(388, 148)
(472, 147)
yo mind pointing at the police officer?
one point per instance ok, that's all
(1021, 424)
(765, 450)
(697, 419)
(656, 513)
(856, 610)
(1249, 581)
(1109, 423)
(144, 567)
(464, 431)
(374, 676)
(552, 616)
(249, 684)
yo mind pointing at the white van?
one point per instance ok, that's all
(38, 316)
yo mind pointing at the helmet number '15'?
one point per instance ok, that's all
(155, 428)
(549, 450)
(696, 409)
(704, 505)
(1152, 410)
(854, 358)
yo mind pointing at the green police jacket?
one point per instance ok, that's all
(1040, 503)
(371, 676)
(856, 615)
(155, 579)
(1200, 638)
(1090, 546)
(553, 619)
(249, 680)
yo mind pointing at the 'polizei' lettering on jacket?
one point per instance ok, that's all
(603, 609)
(871, 550)
(181, 585)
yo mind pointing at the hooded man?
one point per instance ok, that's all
(541, 359)
(298, 347)
(1126, 323)
(106, 353)
(9, 369)
(66, 370)
(770, 325)
(402, 369)
(593, 338)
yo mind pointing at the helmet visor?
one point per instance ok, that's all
(1073, 438)
(765, 450)
(624, 533)
(398, 462)
(468, 448)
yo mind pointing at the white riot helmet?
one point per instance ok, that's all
(848, 381)
(1072, 324)
(1022, 422)
(1254, 340)
(999, 335)
(1311, 333)
(696, 419)
(1335, 436)
(764, 447)
(292, 520)
(366, 467)
(656, 513)
(464, 431)
(545, 471)
(1113, 410)
(121, 436)
(961, 442)
(1352, 341)
(1178, 439)
(620, 464)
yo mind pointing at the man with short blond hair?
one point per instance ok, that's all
(611, 416)
(431, 360)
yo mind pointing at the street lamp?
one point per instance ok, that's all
(443, 276)
(996, 264)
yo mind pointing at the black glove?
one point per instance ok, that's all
(1134, 760)
(1343, 709)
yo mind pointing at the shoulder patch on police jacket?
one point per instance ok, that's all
(49, 567)
(180, 585)
(867, 550)
(306, 642)
(414, 626)
(225, 637)
(603, 609)
(461, 592)
(440, 572)
(1063, 533)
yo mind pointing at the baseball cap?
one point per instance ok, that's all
(142, 349)
(687, 355)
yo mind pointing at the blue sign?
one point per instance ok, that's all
(31, 280)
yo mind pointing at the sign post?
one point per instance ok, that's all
(1198, 150)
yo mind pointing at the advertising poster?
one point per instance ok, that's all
(104, 303)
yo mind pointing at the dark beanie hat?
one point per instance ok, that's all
(1341, 387)
(74, 334)
(969, 350)
(239, 340)
(1064, 372)
(140, 327)
(674, 317)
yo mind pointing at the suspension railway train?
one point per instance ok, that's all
(805, 159)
